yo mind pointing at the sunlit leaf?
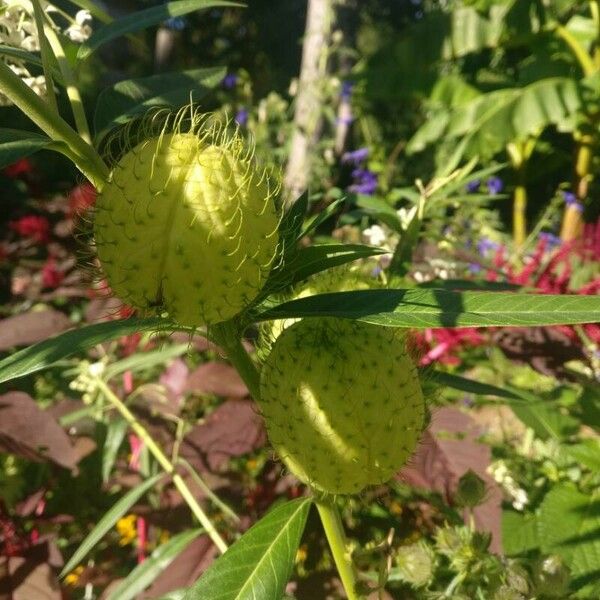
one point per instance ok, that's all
(42, 355)
(259, 564)
(16, 144)
(421, 308)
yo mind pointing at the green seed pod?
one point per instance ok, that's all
(342, 403)
(187, 224)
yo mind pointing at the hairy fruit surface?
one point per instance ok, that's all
(188, 226)
(342, 403)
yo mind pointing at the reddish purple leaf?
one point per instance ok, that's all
(31, 327)
(175, 377)
(217, 378)
(233, 429)
(448, 450)
(28, 431)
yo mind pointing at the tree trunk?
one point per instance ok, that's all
(307, 116)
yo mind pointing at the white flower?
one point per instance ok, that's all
(80, 30)
(375, 235)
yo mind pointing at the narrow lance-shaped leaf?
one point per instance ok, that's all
(470, 386)
(259, 564)
(108, 521)
(123, 101)
(145, 18)
(16, 144)
(42, 355)
(145, 573)
(420, 308)
(314, 259)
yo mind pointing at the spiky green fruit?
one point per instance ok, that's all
(187, 226)
(342, 403)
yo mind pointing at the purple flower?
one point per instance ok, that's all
(473, 186)
(551, 240)
(571, 200)
(365, 182)
(344, 120)
(494, 185)
(474, 268)
(176, 23)
(485, 244)
(241, 117)
(229, 81)
(355, 157)
(346, 91)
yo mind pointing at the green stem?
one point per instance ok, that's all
(70, 83)
(165, 463)
(228, 336)
(209, 493)
(334, 530)
(70, 144)
(586, 62)
(38, 15)
(519, 218)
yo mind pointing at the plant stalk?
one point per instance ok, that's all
(165, 463)
(334, 530)
(38, 15)
(519, 218)
(587, 64)
(70, 144)
(70, 83)
(572, 221)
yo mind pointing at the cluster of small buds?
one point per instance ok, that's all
(86, 381)
(499, 471)
(18, 30)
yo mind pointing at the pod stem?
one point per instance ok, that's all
(165, 463)
(334, 530)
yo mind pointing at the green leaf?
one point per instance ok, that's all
(259, 564)
(545, 419)
(115, 434)
(491, 121)
(145, 573)
(125, 100)
(145, 360)
(468, 284)
(291, 224)
(321, 217)
(419, 308)
(379, 209)
(320, 257)
(586, 453)
(469, 385)
(145, 18)
(402, 257)
(569, 525)
(519, 533)
(42, 355)
(108, 521)
(16, 144)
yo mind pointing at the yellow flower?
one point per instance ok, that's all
(127, 529)
(73, 577)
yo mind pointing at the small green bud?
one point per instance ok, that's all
(471, 490)
(416, 564)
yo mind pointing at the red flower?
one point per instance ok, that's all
(51, 276)
(81, 198)
(21, 167)
(32, 226)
